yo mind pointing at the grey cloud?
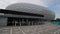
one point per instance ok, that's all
(4, 3)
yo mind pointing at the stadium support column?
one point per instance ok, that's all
(23, 21)
(20, 22)
(15, 23)
(29, 23)
(32, 22)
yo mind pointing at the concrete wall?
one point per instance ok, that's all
(3, 21)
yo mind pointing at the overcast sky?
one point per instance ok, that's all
(54, 5)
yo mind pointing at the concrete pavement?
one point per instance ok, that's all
(36, 29)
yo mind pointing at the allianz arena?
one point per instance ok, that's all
(19, 14)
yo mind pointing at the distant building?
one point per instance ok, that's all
(58, 19)
(25, 14)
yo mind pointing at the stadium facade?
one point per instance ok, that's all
(25, 14)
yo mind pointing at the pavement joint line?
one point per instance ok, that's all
(11, 30)
(22, 30)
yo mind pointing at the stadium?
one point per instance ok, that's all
(19, 14)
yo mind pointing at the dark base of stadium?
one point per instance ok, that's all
(22, 22)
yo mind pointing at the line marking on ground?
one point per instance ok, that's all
(11, 30)
(22, 30)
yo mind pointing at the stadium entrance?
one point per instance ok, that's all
(19, 21)
(12, 21)
(22, 21)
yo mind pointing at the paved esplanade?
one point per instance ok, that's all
(39, 29)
